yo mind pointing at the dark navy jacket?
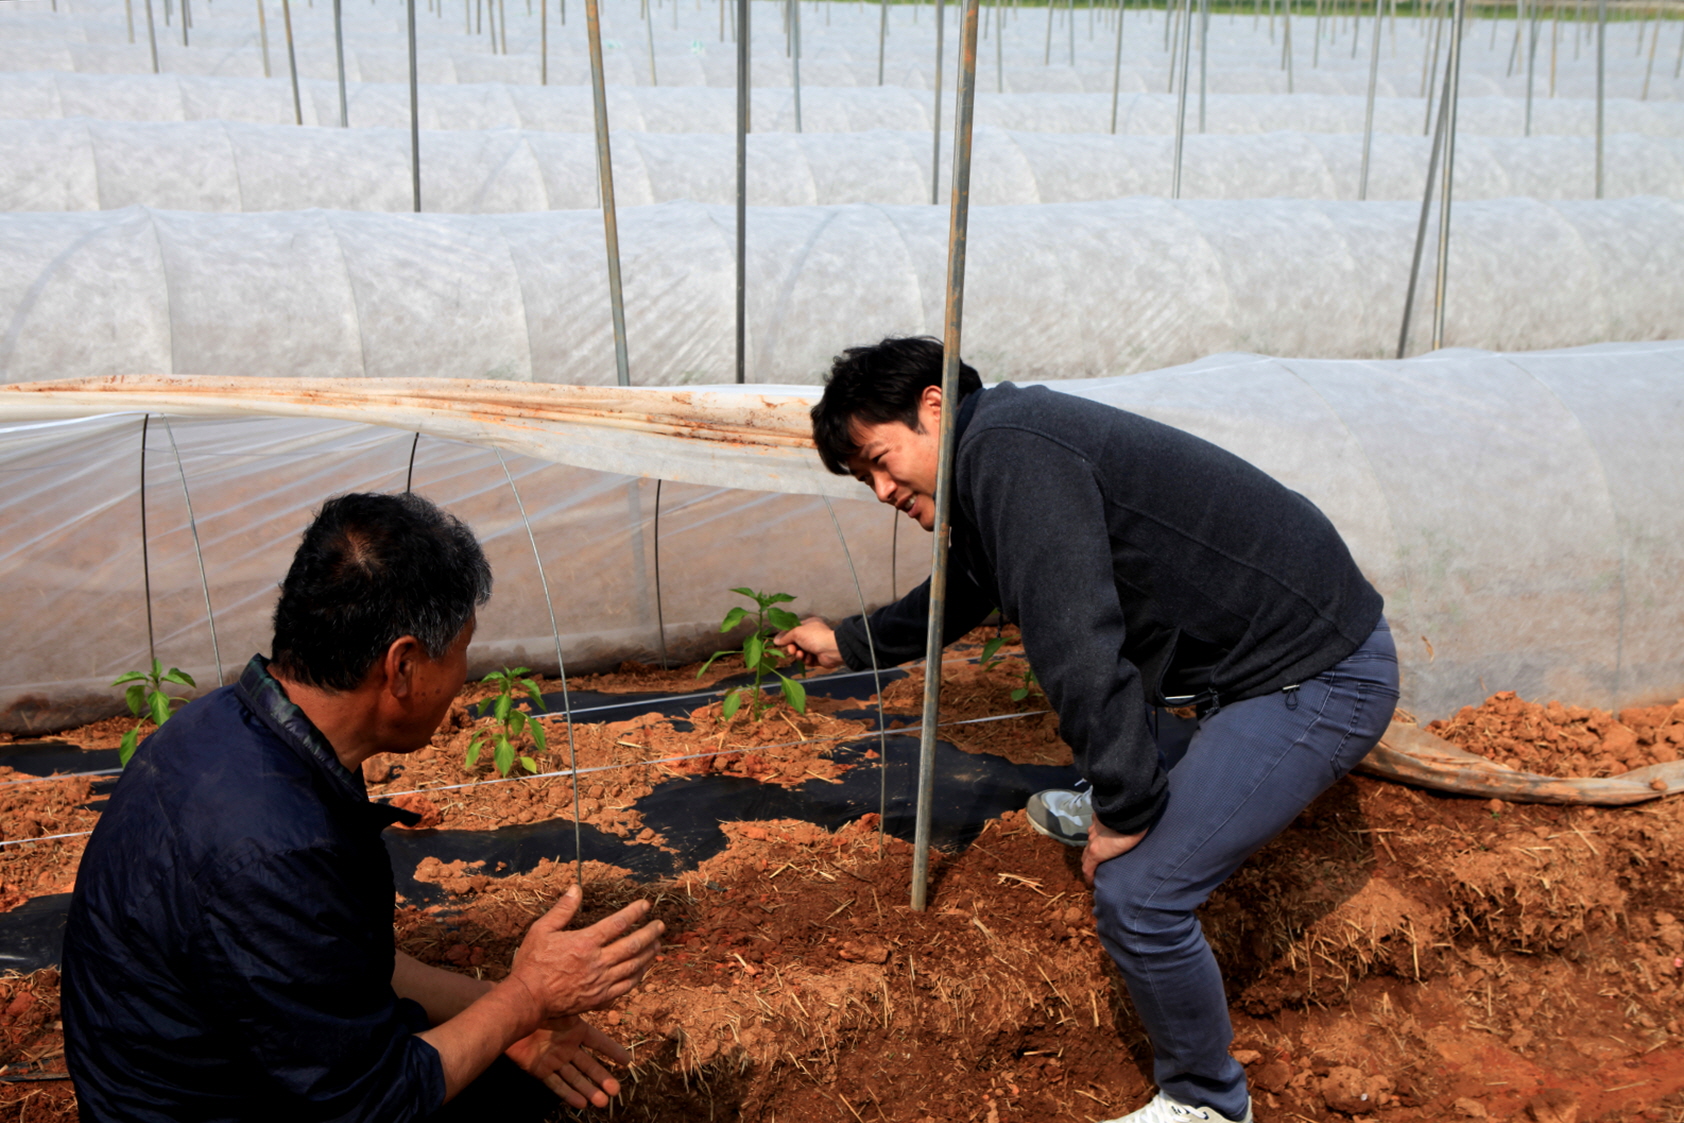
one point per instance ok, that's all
(1141, 562)
(229, 951)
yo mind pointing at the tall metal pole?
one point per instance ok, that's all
(957, 228)
(935, 112)
(184, 22)
(605, 178)
(999, 49)
(1451, 93)
(128, 14)
(292, 61)
(1531, 67)
(648, 26)
(1181, 97)
(795, 58)
(152, 38)
(543, 42)
(1421, 230)
(1286, 40)
(1368, 117)
(1601, 75)
(1117, 68)
(414, 115)
(339, 57)
(743, 124)
(1204, 54)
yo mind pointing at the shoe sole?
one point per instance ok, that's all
(1047, 832)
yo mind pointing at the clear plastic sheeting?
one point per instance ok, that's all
(824, 109)
(1523, 515)
(213, 166)
(1066, 290)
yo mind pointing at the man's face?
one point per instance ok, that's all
(898, 463)
(434, 684)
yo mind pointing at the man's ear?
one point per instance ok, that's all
(402, 662)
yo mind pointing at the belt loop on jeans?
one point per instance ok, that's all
(1291, 693)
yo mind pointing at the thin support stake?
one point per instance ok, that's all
(1181, 98)
(1117, 69)
(263, 36)
(152, 42)
(742, 10)
(339, 58)
(1451, 95)
(1421, 231)
(649, 27)
(1601, 76)
(414, 116)
(956, 240)
(882, 39)
(198, 552)
(605, 180)
(660, 616)
(1368, 117)
(876, 677)
(128, 14)
(795, 61)
(543, 42)
(409, 474)
(145, 551)
(1204, 52)
(292, 58)
(560, 662)
(935, 112)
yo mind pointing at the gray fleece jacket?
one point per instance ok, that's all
(1141, 563)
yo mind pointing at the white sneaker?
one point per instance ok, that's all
(1162, 1109)
(1062, 814)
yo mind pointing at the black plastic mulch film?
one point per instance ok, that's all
(971, 789)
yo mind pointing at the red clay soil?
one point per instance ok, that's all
(1555, 740)
(1445, 958)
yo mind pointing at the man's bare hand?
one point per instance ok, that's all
(813, 642)
(556, 1054)
(570, 972)
(1105, 844)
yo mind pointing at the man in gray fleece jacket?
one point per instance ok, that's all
(1147, 569)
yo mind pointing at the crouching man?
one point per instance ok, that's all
(229, 953)
(1148, 569)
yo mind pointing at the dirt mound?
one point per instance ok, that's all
(1555, 740)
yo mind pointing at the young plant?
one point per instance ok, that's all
(512, 724)
(991, 656)
(760, 655)
(146, 699)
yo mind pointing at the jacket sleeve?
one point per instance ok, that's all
(292, 966)
(1041, 519)
(898, 630)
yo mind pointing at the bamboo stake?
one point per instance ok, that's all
(292, 60)
(1368, 116)
(1451, 94)
(605, 180)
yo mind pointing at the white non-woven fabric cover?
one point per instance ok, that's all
(1059, 290)
(81, 164)
(1523, 515)
(665, 109)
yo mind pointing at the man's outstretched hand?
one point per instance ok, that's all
(568, 973)
(813, 642)
(556, 1054)
(1105, 844)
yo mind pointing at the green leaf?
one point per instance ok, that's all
(517, 722)
(711, 658)
(991, 648)
(504, 756)
(733, 618)
(778, 598)
(494, 676)
(782, 620)
(500, 709)
(733, 703)
(795, 693)
(159, 703)
(538, 706)
(484, 705)
(157, 669)
(177, 675)
(135, 695)
(539, 737)
(749, 593)
(515, 672)
(127, 748)
(473, 753)
(132, 676)
(753, 648)
(1020, 694)
(527, 763)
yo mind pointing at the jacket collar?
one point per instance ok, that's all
(267, 699)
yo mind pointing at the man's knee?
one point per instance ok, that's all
(1130, 913)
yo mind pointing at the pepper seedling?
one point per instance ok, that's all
(512, 724)
(990, 656)
(146, 699)
(760, 654)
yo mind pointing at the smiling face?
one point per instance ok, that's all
(898, 463)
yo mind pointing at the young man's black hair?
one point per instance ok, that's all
(874, 384)
(370, 570)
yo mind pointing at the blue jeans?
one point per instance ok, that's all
(1245, 773)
